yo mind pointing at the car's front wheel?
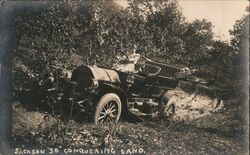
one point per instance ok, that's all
(108, 109)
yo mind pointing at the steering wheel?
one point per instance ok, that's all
(123, 57)
(158, 70)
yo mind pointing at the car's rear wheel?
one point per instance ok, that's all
(108, 109)
(167, 108)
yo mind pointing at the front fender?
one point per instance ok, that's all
(105, 88)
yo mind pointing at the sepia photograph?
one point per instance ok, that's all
(124, 77)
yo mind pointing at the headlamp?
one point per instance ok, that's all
(95, 83)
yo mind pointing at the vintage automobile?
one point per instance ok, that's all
(110, 93)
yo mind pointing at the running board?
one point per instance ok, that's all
(140, 101)
(137, 112)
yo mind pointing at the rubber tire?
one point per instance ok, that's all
(166, 102)
(103, 101)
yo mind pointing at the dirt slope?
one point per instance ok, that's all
(218, 132)
(193, 106)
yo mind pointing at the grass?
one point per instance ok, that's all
(219, 133)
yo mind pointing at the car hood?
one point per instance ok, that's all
(96, 73)
(104, 74)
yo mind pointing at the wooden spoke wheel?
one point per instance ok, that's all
(108, 109)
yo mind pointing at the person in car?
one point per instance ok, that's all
(128, 66)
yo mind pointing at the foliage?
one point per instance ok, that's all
(165, 27)
(221, 67)
(93, 31)
(198, 39)
(240, 32)
(240, 42)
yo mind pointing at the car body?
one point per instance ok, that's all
(109, 93)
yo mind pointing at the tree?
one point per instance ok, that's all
(240, 32)
(165, 28)
(198, 42)
(240, 42)
(221, 63)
